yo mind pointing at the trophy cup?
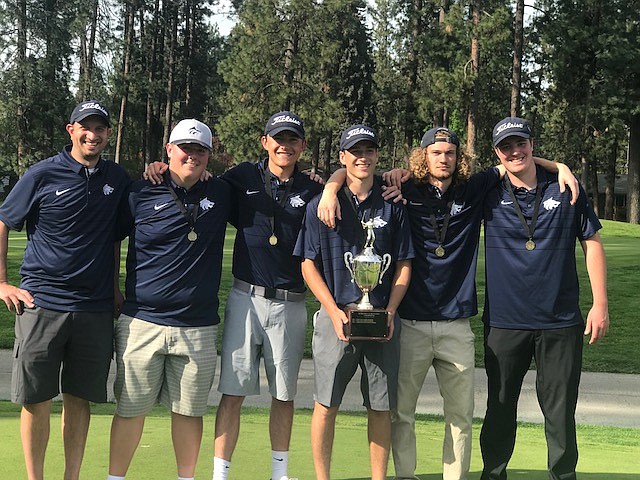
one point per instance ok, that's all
(367, 269)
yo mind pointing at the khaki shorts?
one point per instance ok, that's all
(255, 326)
(156, 363)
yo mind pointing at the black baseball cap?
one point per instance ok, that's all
(511, 127)
(282, 121)
(88, 108)
(439, 134)
(357, 133)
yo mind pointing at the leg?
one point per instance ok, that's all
(559, 362)
(507, 355)
(186, 434)
(323, 424)
(75, 426)
(125, 437)
(280, 423)
(34, 432)
(454, 367)
(379, 430)
(416, 356)
(227, 426)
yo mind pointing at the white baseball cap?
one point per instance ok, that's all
(191, 130)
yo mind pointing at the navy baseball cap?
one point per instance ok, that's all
(511, 127)
(88, 108)
(357, 133)
(439, 134)
(281, 121)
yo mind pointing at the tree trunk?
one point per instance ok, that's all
(151, 140)
(173, 42)
(412, 74)
(327, 156)
(516, 74)
(473, 104)
(633, 179)
(21, 148)
(610, 181)
(125, 75)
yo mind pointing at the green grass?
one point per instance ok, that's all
(612, 354)
(605, 452)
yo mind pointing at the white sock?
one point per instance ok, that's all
(185, 478)
(279, 465)
(114, 477)
(220, 468)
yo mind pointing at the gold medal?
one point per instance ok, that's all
(439, 251)
(192, 236)
(273, 240)
(530, 245)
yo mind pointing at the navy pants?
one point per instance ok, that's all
(558, 357)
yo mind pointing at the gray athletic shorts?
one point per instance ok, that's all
(254, 326)
(172, 365)
(335, 363)
(79, 343)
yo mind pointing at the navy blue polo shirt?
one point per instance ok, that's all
(170, 279)
(254, 260)
(444, 288)
(327, 246)
(534, 289)
(71, 216)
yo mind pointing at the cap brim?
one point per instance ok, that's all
(277, 130)
(351, 143)
(191, 140)
(510, 134)
(92, 114)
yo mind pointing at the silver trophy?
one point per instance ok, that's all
(367, 269)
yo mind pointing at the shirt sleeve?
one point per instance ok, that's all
(308, 242)
(20, 202)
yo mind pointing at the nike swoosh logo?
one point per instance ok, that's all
(502, 202)
(159, 207)
(278, 459)
(415, 203)
(252, 192)
(60, 192)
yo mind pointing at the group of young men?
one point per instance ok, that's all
(78, 207)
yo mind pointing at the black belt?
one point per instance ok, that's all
(268, 292)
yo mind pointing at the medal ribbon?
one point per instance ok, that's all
(267, 188)
(528, 228)
(191, 219)
(441, 233)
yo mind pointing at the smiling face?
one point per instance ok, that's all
(89, 138)
(284, 150)
(516, 154)
(360, 160)
(187, 162)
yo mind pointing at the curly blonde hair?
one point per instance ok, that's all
(420, 170)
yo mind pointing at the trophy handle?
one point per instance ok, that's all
(348, 261)
(386, 263)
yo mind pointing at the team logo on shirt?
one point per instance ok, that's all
(378, 222)
(550, 204)
(62, 192)
(296, 201)
(206, 204)
(252, 192)
(107, 189)
(456, 208)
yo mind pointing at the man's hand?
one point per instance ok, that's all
(565, 177)
(118, 301)
(314, 176)
(154, 172)
(329, 209)
(396, 177)
(339, 320)
(14, 297)
(597, 323)
(390, 323)
(393, 193)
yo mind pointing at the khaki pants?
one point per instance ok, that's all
(448, 345)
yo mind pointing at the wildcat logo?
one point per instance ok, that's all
(456, 209)
(296, 201)
(107, 189)
(378, 222)
(206, 204)
(550, 204)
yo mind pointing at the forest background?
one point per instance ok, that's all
(572, 69)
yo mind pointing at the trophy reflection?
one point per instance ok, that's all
(367, 269)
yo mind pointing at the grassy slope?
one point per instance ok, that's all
(622, 244)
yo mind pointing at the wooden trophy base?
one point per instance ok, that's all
(368, 324)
